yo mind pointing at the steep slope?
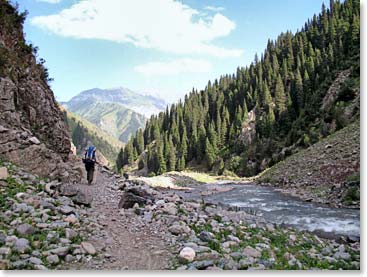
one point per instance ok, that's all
(33, 133)
(83, 131)
(115, 119)
(304, 87)
(326, 172)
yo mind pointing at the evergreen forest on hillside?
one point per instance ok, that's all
(246, 122)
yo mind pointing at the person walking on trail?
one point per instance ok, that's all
(90, 161)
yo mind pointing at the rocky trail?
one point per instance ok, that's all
(122, 241)
(118, 224)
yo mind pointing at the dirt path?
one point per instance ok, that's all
(122, 240)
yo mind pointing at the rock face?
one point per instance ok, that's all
(248, 132)
(33, 132)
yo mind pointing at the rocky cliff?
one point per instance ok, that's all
(33, 133)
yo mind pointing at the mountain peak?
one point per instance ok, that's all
(144, 104)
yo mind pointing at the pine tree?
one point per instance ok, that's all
(172, 156)
(299, 90)
(181, 164)
(161, 161)
(209, 153)
(140, 141)
(279, 96)
(120, 159)
(184, 140)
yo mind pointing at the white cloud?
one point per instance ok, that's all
(50, 1)
(164, 25)
(174, 67)
(214, 9)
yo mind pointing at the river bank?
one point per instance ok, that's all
(214, 237)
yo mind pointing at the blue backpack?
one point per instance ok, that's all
(91, 153)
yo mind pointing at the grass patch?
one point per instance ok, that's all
(355, 177)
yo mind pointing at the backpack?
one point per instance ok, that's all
(91, 153)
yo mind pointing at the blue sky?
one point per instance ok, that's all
(161, 47)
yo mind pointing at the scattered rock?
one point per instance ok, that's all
(60, 251)
(2, 237)
(251, 252)
(207, 256)
(71, 219)
(3, 173)
(179, 229)
(4, 264)
(51, 187)
(70, 233)
(228, 244)
(206, 236)
(53, 259)
(342, 255)
(88, 247)
(34, 140)
(160, 202)
(293, 237)
(6, 251)
(246, 263)
(35, 261)
(187, 255)
(66, 210)
(40, 267)
(170, 208)
(21, 245)
(69, 258)
(26, 229)
(202, 264)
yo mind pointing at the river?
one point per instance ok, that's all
(279, 208)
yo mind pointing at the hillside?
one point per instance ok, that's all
(303, 87)
(326, 172)
(113, 118)
(119, 112)
(33, 133)
(83, 131)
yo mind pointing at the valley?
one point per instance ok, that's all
(259, 170)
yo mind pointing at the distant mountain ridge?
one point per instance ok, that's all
(138, 102)
(119, 112)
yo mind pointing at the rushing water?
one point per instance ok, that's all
(278, 208)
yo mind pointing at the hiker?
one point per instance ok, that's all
(89, 161)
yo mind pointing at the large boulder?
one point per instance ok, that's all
(186, 255)
(82, 199)
(128, 200)
(68, 190)
(134, 195)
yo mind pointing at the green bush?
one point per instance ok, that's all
(352, 194)
(151, 174)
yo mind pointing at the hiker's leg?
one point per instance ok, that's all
(91, 174)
